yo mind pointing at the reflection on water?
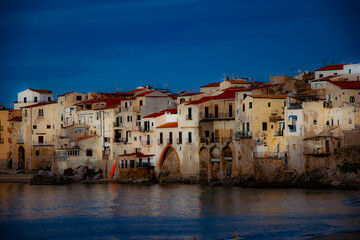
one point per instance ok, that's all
(177, 211)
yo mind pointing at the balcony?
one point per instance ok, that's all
(118, 124)
(279, 133)
(120, 140)
(275, 118)
(215, 140)
(43, 143)
(328, 104)
(146, 143)
(319, 152)
(242, 134)
(272, 155)
(219, 116)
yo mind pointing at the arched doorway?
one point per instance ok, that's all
(228, 157)
(169, 165)
(215, 164)
(21, 158)
(204, 164)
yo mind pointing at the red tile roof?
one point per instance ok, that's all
(168, 125)
(215, 84)
(86, 137)
(347, 84)
(238, 81)
(15, 118)
(269, 96)
(42, 91)
(40, 104)
(190, 94)
(91, 101)
(65, 94)
(157, 114)
(225, 95)
(331, 67)
(145, 93)
(114, 101)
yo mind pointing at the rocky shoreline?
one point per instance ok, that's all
(67, 176)
(316, 179)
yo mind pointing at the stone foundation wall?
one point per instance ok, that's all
(137, 175)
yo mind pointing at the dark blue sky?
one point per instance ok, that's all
(118, 45)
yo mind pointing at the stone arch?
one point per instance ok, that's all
(169, 165)
(215, 163)
(204, 163)
(227, 155)
(21, 158)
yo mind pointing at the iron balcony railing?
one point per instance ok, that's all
(146, 143)
(242, 134)
(217, 116)
(45, 143)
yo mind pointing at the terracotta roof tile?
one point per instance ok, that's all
(190, 94)
(157, 114)
(347, 84)
(41, 91)
(168, 125)
(145, 93)
(269, 96)
(40, 104)
(86, 137)
(331, 67)
(215, 84)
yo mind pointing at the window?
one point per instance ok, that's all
(78, 98)
(25, 100)
(25, 112)
(321, 75)
(170, 138)
(41, 139)
(189, 116)
(284, 103)
(161, 138)
(41, 112)
(206, 112)
(230, 110)
(243, 107)
(335, 74)
(48, 126)
(189, 137)
(89, 152)
(132, 163)
(125, 104)
(207, 134)
(292, 125)
(250, 105)
(35, 99)
(49, 99)
(264, 126)
(37, 153)
(269, 104)
(315, 122)
(182, 100)
(106, 139)
(34, 126)
(135, 138)
(352, 99)
(244, 96)
(272, 126)
(180, 137)
(141, 102)
(216, 111)
(248, 126)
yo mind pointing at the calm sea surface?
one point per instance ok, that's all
(113, 211)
